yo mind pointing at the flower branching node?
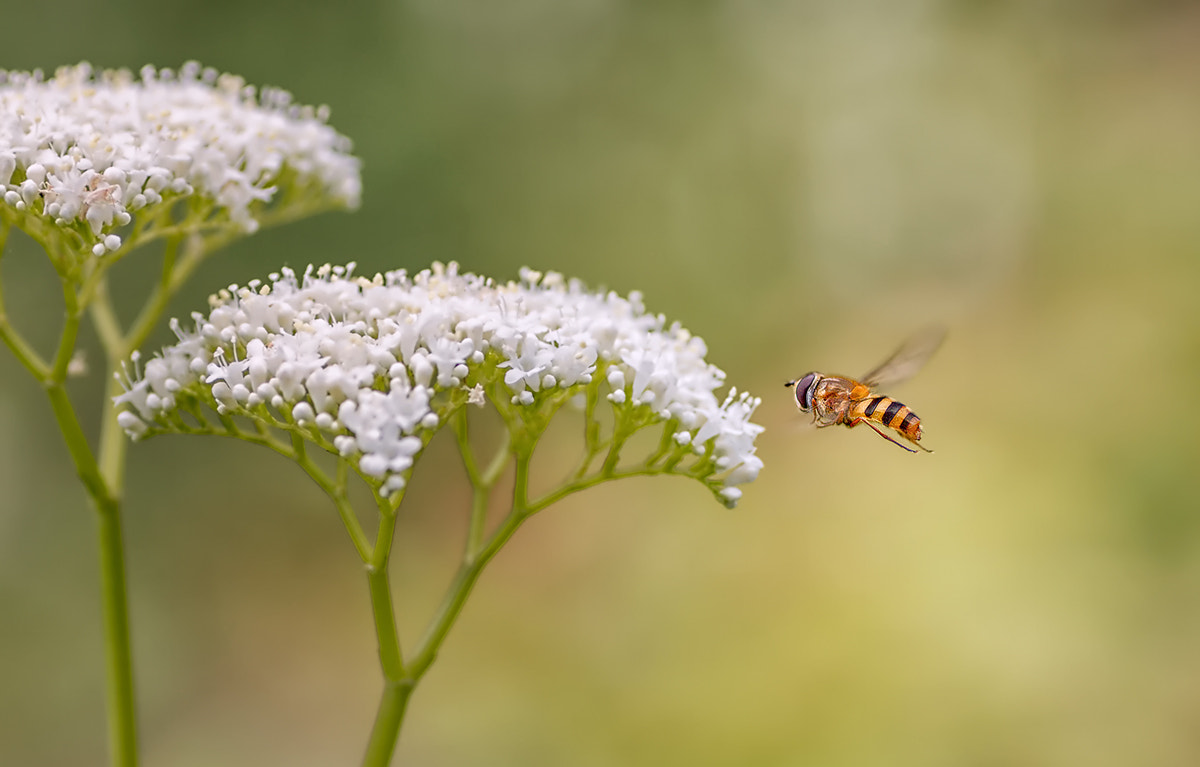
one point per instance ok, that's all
(369, 369)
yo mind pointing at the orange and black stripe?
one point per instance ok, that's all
(893, 415)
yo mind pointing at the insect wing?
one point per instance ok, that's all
(907, 360)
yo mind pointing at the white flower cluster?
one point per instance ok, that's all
(362, 361)
(90, 149)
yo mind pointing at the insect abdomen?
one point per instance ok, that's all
(892, 414)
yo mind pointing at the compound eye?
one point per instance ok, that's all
(804, 392)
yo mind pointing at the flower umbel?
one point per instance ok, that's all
(370, 368)
(87, 150)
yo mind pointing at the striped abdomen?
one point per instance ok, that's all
(890, 413)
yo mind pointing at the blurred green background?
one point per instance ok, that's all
(802, 184)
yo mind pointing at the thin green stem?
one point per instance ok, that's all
(591, 430)
(480, 492)
(520, 496)
(25, 354)
(584, 483)
(391, 659)
(177, 268)
(108, 327)
(397, 684)
(499, 463)
(115, 592)
(480, 496)
(78, 448)
(147, 230)
(114, 444)
(458, 422)
(336, 490)
(481, 483)
(118, 640)
(175, 272)
(456, 596)
(122, 719)
(66, 341)
(469, 571)
(106, 488)
(399, 680)
(122, 723)
(614, 451)
(665, 444)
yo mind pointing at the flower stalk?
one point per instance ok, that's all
(118, 651)
(95, 165)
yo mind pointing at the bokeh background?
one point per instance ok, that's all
(800, 183)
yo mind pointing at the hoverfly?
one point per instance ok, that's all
(836, 399)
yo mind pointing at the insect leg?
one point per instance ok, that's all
(918, 444)
(857, 421)
(820, 423)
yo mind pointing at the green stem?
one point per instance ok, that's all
(390, 657)
(102, 482)
(112, 450)
(399, 680)
(66, 341)
(456, 596)
(614, 450)
(114, 444)
(458, 422)
(386, 730)
(105, 481)
(172, 278)
(24, 353)
(77, 447)
(591, 428)
(469, 571)
(108, 327)
(122, 720)
(499, 462)
(115, 592)
(479, 508)
(397, 685)
(102, 474)
(336, 490)
(586, 482)
(481, 483)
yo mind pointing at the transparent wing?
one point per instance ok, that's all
(906, 360)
